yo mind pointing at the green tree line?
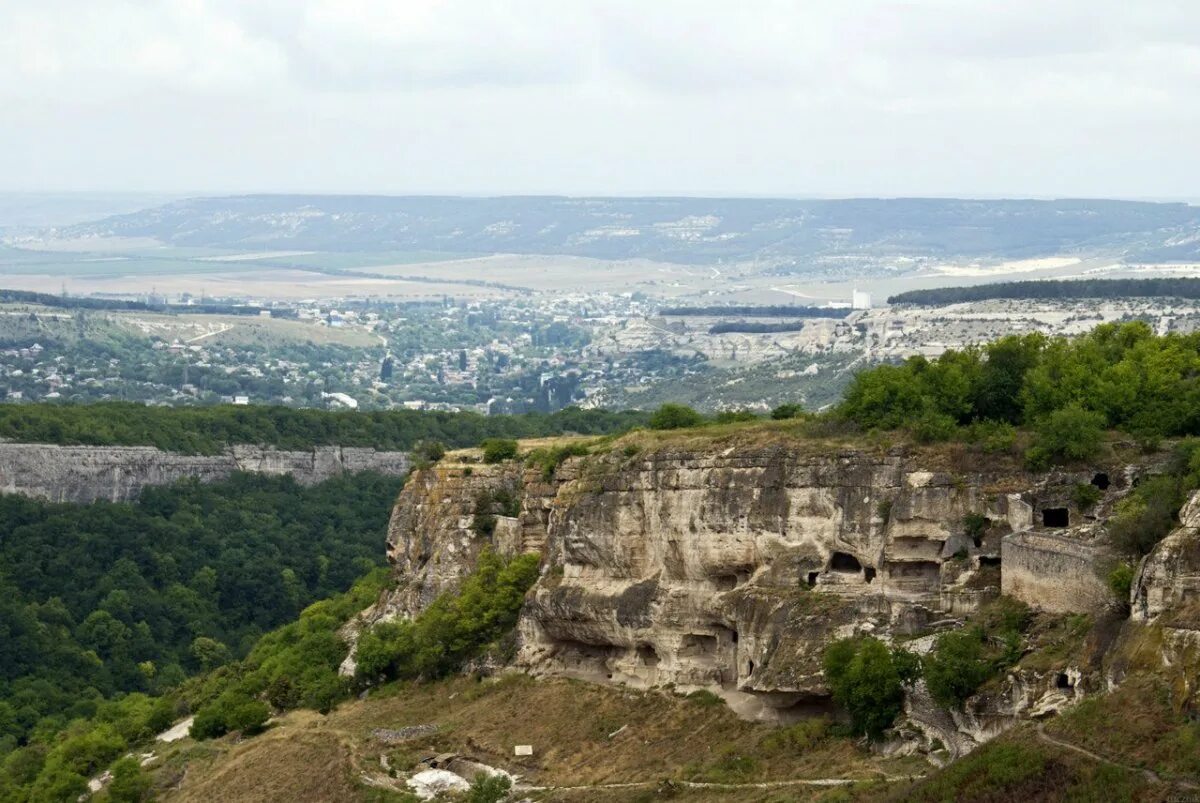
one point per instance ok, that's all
(1118, 376)
(207, 430)
(1053, 289)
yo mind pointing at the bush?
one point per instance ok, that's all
(488, 788)
(429, 451)
(129, 784)
(734, 416)
(974, 526)
(1085, 495)
(706, 698)
(956, 666)
(455, 628)
(674, 416)
(933, 427)
(785, 411)
(550, 459)
(497, 450)
(994, 437)
(1144, 518)
(1066, 435)
(1120, 581)
(868, 679)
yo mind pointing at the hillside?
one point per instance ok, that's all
(684, 230)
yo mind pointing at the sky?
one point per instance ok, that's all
(808, 98)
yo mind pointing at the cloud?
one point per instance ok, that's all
(604, 95)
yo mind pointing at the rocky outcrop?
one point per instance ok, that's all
(732, 567)
(1168, 579)
(118, 473)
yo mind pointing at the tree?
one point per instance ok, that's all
(868, 679)
(674, 416)
(956, 666)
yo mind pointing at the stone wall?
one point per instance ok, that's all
(118, 473)
(1055, 573)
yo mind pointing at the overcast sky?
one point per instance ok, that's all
(617, 97)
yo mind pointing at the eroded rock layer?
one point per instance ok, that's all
(733, 568)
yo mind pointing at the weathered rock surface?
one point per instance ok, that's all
(733, 568)
(1168, 579)
(118, 473)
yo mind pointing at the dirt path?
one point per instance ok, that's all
(1150, 775)
(821, 782)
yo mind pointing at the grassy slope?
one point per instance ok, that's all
(307, 756)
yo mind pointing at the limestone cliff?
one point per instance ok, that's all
(731, 566)
(117, 473)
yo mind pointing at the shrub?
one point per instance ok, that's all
(706, 698)
(933, 427)
(1065, 435)
(674, 416)
(868, 679)
(550, 459)
(961, 661)
(488, 788)
(497, 450)
(994, 436)
(1085, 495)
(1120, 581)
(974, 526)
(1144, 518)
(734, 416)
(429, 451)
(129, 784)
(785, 411)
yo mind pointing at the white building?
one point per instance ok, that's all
(860, 300)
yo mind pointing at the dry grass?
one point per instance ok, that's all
(310, 757)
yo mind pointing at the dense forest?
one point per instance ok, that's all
(207, 430)
(1053, 289)
(774, 311)
(109, 598)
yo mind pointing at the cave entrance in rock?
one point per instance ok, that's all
(647, 655)
(1056, 517)
(1100, 481)
(845, 563)
(989, 560)
(812, 578)
(869, 573)
(1063, 681)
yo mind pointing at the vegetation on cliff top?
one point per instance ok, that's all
(208, 430)
(1054, 289)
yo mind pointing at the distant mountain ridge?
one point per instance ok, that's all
(685, 230)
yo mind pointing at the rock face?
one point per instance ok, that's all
(732, 568)
(1168, 579)
(118, 473)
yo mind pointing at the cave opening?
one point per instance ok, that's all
(844, 562)
(869, 573)
(812, 578)
(1055, 517)
(989, 560)
(1100, 481)
(1063, 681)
(647, 655)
